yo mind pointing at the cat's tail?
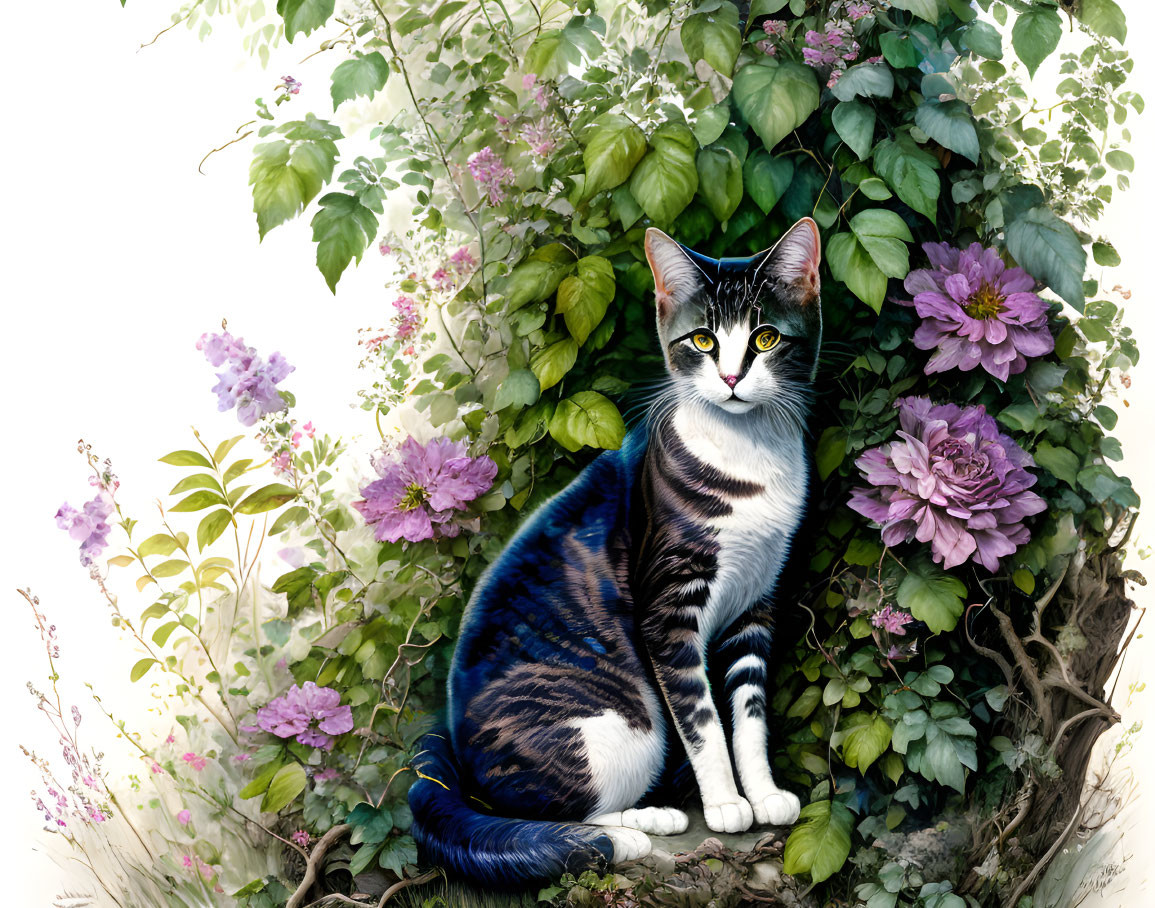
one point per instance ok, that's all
(451, 830)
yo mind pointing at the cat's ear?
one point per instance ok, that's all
(794, 261)
(676, 278)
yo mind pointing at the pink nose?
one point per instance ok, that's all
(731, 380)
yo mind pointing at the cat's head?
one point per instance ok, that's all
(740, 333)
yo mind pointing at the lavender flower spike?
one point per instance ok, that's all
(977, 312)
(953, 480)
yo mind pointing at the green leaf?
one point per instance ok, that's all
(806, 703)
(710, 123)
(775, 98)
(949, 749)
(932, 595)
(1035, 35)
(211, 527)
(830, 451)
(290, 518)
(304, 16)
(520, 388)
(198, 501)
(820, 843)
(950, 124)
(342, 228)
(260, 783)
(767, 178)
(160, 544)
(267, 498)
(871, 80)
(720, 180)
(865, 743)
(169, 568)
(1120, 160)
(550, 364)
(551, 54)
(1104, 17)
(161, 634)
(1106, 255)
(984, 39)
(587, 418)
(224, 447)
(537, 278)
(1062, 463)
(875, 189)
(910, 172)
(667, 178)
(287, 175)
(1048, 249)
(370, 824)
(187, 459)
(614, 147)
(196, 481)
(141, 669)
(285, 786)
(714, 37)
(851, 263)
(854, 123)
(924, 9)
(584, 297)
(899, 50)
(884, 235)
(364, 75)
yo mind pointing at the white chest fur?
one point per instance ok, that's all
(754, 537)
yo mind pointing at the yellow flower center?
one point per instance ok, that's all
(986, 302)
(413, 498)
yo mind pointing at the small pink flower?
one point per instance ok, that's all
(156, 769)
(184, 817)
(283, 462)
(327, 775)
(442, 279)
(528, 80)
(242, 758)
(308, 429)
(197, 763)
(300, 837)
(169, 740)
(408, 351)
(385, 249)
(186, 860)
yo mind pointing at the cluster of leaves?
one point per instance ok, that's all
(611, 118)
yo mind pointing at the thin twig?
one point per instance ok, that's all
(327, 841)
(222, 148)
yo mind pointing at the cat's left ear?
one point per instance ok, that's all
(794, 261)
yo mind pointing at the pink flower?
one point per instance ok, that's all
(775, 28)
(408, 319)
(856, 11)
(184, 817)
(442, 279)
(528, 80)
(300, 837)
(294, 713)
(156, 769)
(242, 758)
(385, 248)
(891, 620)
(290, 85)
(283, 462)
(462, 260)
(308, 429)
(170, 739)
(327, 775)
(491, 174)
(197, 763)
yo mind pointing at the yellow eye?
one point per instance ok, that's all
(766, 339)
(704, 342)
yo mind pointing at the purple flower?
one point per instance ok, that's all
(491, 174)
(419, 494)
(294, 713)
(953, 480)
(290, 85)
(891, 620)
(327, 775)
(300, 837)
(539, 137)
(776, 28)
(462, 260)
(976, 312)
(248, 383)
(196, 762)
(856, 11)
(88, 526)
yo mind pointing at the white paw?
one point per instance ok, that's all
(780, 808)
(629, 844)
(734, 816)
(656, 820)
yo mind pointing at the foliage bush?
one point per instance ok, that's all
(539, 140)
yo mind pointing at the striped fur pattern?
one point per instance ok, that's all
(581, 668)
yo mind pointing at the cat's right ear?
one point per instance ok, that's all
(676, 278)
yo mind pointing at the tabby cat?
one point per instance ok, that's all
(583, 652)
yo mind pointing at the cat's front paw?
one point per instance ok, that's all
(733, 816)
(779, 808)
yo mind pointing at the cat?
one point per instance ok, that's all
(582, 654)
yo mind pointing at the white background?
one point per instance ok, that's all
(117, 255)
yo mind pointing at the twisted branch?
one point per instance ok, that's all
(327, 841)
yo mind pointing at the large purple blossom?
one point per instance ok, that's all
(953, 480)
(89, 526)
(248, 383)
(976, 311)
(420, 494)
(309, 713)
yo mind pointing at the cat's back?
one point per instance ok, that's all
(552, 596)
